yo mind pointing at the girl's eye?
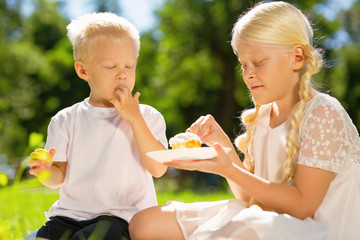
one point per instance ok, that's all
(258, 63)
(128, 67)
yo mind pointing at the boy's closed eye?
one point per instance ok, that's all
(110, 66)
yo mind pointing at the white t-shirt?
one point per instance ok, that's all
(104, 175)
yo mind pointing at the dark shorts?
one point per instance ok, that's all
(102, 227)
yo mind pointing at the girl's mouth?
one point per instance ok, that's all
(256, 87)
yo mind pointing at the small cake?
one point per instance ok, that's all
(185, 140)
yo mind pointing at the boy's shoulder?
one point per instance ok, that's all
(148, 110)
(66, 112)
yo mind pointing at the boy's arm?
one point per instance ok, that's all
(56, 176)
(146, 142)
(127, 107)
(50, 174)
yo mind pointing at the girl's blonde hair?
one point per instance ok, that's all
(280, 24)
(84, 30)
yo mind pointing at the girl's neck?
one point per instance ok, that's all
(280, 111)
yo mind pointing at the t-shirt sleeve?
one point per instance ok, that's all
(323, 139)
(156, 124)
(58, 138)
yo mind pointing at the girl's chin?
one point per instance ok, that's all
(261, 101)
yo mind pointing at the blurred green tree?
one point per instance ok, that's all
(194, 70)
(36, 72)
(345, 73)
(186, 66)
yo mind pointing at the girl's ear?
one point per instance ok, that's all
(81, 70)
(298, 57)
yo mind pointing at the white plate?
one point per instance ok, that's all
(185, 154)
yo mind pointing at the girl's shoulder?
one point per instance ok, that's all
(324, 109)
(323, 102)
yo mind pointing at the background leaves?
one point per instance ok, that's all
(186, 66)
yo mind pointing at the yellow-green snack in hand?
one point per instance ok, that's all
(44, 175)
(42, 155)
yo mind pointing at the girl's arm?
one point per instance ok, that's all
(127, 107)
(238, 192)
(211, 133)
(300, 200)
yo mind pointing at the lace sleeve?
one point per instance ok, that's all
(323, 140)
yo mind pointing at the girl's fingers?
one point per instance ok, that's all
(205, 127)
(220, 151)
(189, 165)
(194, 128)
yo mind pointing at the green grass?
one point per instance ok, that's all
(22, 206)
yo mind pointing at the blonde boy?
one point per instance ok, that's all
(99, 145)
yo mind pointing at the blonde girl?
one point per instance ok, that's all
(301, 175)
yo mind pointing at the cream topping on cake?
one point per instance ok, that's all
(183, 137)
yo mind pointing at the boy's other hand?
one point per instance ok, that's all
(40, 161)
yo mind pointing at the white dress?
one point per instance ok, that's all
(329, 141)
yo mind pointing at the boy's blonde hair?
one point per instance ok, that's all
(279, 24)
(84, 30)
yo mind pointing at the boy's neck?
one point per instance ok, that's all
(104, 104)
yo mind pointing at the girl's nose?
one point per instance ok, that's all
(248, 74)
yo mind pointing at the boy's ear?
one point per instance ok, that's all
(298, 57)
(81, 70)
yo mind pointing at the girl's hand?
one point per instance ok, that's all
(217, 165)
(209, 131)
(125, 104)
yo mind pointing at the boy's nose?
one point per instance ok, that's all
(121, 74)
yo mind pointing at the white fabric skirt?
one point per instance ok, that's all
(231, 219)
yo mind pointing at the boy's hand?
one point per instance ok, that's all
(125, 104)
(40, 161)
